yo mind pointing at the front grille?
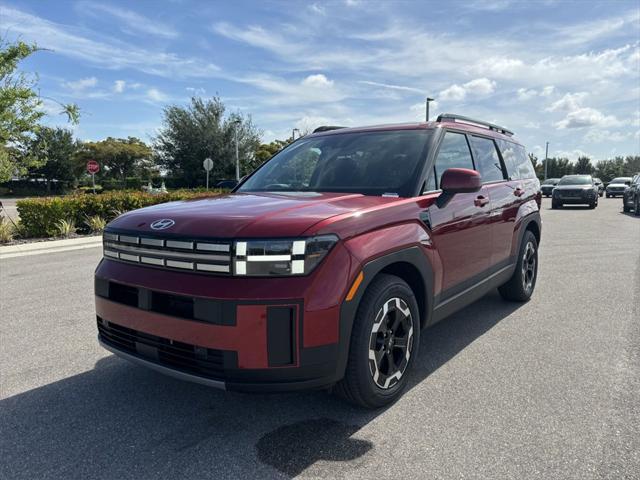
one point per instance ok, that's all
(572, 193)
(170, 253)
(170, 353)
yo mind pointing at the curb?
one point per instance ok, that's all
(52, 246)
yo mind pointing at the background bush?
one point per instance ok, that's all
(40, 217)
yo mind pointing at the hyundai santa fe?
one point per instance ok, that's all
(322, 268)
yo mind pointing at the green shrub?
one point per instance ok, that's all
(6, 230)
(66, 228)
(40, 216)
(95, 223)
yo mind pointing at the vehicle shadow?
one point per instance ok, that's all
(123, 421)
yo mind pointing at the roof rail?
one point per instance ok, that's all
(326, 128)
(452, 117)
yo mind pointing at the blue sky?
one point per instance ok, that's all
(567, 72)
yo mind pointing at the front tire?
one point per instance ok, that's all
(520, 286)
(555, 205)
(636, 207)
(384, 342)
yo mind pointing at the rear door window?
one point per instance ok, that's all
(487, 159)
(518, 165)
(453, 153)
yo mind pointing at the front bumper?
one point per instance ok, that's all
(251, 334)
(573, 200)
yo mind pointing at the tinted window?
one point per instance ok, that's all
(576, 180)
(487, 159)
(454, 153)
(516, 160)
(371, 163)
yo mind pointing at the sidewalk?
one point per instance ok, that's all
(36, 248)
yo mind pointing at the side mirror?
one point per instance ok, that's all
(457, 180)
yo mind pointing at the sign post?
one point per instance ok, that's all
(208, 165)
(93, 167)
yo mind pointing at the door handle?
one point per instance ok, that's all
(480, 201)
(518, 192)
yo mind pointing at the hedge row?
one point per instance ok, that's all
(39, 217)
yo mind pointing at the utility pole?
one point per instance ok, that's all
(429, 99)
(546, 160)
(236, 123)
(293, 134)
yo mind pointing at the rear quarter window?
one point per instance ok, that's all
(516, 161)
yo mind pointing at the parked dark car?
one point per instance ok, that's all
(575, 190)
(600, 184)
(617, 186)
(547, 186)
(321, 269)
(631, 196)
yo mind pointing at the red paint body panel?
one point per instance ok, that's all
(248, 337)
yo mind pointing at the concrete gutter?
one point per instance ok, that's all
(51, 246)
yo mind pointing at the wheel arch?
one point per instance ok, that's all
(410, 264)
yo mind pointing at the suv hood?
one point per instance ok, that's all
(288, 214)
(573, 187)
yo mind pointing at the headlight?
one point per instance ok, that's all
(281, 257)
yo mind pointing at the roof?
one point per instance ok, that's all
(445, 123)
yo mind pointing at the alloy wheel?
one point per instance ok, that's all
(529, 260)
(390, 343)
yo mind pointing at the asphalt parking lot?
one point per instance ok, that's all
(549, 389)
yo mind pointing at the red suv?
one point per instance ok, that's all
(323, 266)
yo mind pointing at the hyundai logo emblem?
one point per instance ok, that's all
(163, 224)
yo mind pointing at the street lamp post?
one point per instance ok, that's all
(546, 160)
(236, 123)
(429, 100)
(293, 133)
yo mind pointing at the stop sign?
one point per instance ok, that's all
(93, 167)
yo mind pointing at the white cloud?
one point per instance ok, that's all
(572, 155)
(392, 87)
(525, 94)
(132, 21)
(196, 91)
(476, 87)
(586, 117)
(577, 115)
(81, 84)
(547, 91)
(119, 86)
(318, 80)
(568, 103)
(109, 53)
(156, 95)
(317, 8)
(599, 135)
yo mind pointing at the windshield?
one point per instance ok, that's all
(371, 163)
(620, 180)
(551, 181)
(577, 180)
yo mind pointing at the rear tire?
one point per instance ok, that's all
(520, 286)
(379, 357)
(625, 209)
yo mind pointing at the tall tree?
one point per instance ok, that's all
(557, 167)
(55, 148)
(201, 130)
(583, 166)
(20, 111)
(119, 157)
